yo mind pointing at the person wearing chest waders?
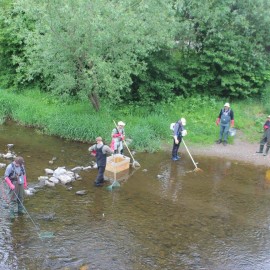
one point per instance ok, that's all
(225, 120)
(118, 136)
(266, 137)
(15, 177)
(100, 150)
(178, 132)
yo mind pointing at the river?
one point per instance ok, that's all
(164, 216)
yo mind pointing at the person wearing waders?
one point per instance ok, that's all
(15, 177)
(118, 136)
(100, 150)
(178, 131)
(266, 137)
(225, 120)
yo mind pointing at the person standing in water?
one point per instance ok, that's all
(100, 150)
(118, 136)
(15, 177)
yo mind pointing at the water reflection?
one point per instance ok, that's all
(164, 216)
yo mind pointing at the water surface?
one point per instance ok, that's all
(164, 216)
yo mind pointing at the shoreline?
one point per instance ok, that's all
(244, 152)
(239, 150)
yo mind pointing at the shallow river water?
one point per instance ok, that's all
(164, 216)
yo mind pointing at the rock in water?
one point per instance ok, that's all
(81, 192)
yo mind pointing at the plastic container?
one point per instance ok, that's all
(232, 132)
(117, 163)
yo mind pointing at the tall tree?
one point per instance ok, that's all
(226, 46)
(92, 48)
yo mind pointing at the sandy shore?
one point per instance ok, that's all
(240, 150)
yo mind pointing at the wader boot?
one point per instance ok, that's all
(11, 213)
(261, 149)
(21, 210)
(266, 151)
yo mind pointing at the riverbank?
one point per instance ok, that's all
(147, 127)
(240, 149)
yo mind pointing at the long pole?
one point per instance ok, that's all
(196, 167)
(27, 213)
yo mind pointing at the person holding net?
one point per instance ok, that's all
(15, 177)
(178, 132)
(118, 136)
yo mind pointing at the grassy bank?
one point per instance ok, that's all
(147, 127)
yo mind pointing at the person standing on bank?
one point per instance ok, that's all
(118, 135)
(178, 132)
(266, 137)
(225, 120)
(15, 177)
(100, 150)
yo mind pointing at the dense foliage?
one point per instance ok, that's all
(136, 51)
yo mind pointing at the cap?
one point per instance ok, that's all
(19, 160)
(183, 121)
(98, 139)
(268, 116)
(120, 123)
(227, 104)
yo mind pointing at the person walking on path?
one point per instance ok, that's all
(118, 135)
(178, 132)
(15, 177)
(225, 120)
(100, 151)
(265, 138)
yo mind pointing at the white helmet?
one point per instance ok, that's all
(227, 104)
(183, 121)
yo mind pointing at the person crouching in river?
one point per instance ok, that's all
(15, 177)
(100, 151)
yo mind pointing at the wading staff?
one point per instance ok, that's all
(135, 163)
(196, 168)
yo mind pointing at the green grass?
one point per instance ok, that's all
(148, 129)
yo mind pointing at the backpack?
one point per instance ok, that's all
(183, 133)
(172, 126)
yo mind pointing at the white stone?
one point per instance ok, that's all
(64, 178)
(54, 180)
(49, 171)
(59, 171)
(3, 165)
(48, 183)
(42, 178)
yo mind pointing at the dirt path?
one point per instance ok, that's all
(240, 150)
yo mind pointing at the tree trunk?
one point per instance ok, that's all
(94, 99)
